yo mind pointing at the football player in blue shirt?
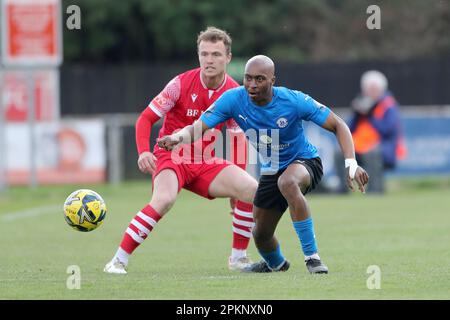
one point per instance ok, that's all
(272, 119)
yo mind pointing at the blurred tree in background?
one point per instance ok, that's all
(135, 31)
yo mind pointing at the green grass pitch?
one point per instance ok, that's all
(406, 233)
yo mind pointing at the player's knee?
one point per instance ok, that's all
(247, 189)
(252, 185)
(163, 203)
(260, 235)
(287, 184)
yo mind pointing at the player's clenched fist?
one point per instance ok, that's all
(146, 162)
(168, 142)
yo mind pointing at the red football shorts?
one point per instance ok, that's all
(195, 177)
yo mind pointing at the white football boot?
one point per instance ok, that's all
(115, 266)
(239, 264)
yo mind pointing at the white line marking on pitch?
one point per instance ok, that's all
(33, 212)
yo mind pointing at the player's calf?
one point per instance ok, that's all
(242, 232)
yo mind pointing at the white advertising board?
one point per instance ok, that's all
(68, 151)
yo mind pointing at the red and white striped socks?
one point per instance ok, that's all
(138, 230)
(146, 219)
(242, 229)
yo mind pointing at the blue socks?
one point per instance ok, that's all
(274, 259)
(305, 233)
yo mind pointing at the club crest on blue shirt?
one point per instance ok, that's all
(282, 122)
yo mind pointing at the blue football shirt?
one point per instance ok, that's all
(275, 129)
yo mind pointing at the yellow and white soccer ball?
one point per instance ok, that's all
(84, 210)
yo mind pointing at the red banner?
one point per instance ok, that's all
(31, 32)
(14, 93)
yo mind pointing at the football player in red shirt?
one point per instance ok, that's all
(181, 102)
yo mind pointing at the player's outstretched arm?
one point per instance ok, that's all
(186, 135)
(354, 172)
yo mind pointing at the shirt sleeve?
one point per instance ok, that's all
(143, 129)
(167, 98)
(219, 111)
(312, 110)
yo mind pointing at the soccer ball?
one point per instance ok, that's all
(84, 210)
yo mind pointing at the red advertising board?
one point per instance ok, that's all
(31, 32)
(14, 95)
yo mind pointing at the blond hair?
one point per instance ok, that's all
(213, 34)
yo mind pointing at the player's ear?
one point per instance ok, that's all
(273, 80)
(229, 56)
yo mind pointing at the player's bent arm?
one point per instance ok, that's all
(336, 125)
(187, 135)
(191, 133)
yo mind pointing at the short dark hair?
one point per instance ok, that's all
(214, 34)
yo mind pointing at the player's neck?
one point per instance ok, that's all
(213, 82)
(264, 100)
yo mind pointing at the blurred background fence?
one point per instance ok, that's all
(94, 89)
